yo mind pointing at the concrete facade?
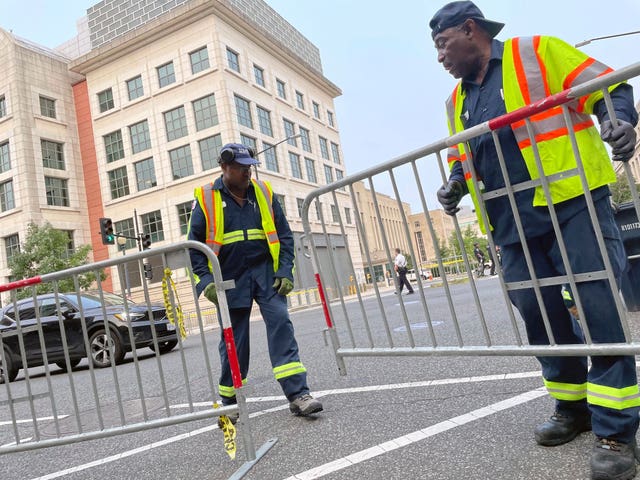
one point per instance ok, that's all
(152, 184)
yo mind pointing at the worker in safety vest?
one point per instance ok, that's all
(241, 220)
(499, 77)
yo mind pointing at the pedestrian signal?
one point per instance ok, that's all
(106, 231)
(146, 241)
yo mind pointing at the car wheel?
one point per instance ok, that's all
(73, 361)
(99, 346)
(8, 371)
(165, 347)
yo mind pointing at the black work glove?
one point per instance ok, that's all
(449, 196)
(622, 139)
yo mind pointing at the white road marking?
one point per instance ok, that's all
(39, 419)
(358, 456)
(416, 436)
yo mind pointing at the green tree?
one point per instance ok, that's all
(620, 191)
(46, 250)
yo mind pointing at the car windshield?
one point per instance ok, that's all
(91, 300)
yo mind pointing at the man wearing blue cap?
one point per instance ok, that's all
(241, 220)
(499, 77)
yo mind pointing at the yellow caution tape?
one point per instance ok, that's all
(229, 431)
(167, 303)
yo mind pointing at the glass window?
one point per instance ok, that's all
(11, 246)
(335, 151)
(135, 88)
(290, 132)
(335, 214)
(52, 154)
(105, 100)
(282, 202)
(324, 148)
(47, 107)
(3, 106)
(184, 213)
(205, 112)
(318, 211)
(233, 60)
(140, 138)
(311, 170)
(264, 119)
(294, 160)
(57, 191)
(152, 225)
(249, 142)
(175, 122)
(209, 148)
(7, 202)
(145, 174)
(316, 110)
(300, 100)
(281, 86)
(243, 111)
(118, 182)
(199, 60)
(328, 174)
(258, 73)
(299, 203)
(113, 146)
(181, 164)
(347, 215)
(5, 160)
(270, 157)
(166, 75)
(339, 174)
(305, 140)
(126, 227)
(330, 118)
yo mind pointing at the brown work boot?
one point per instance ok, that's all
(561, 429)
(612, 460)
(305, 405)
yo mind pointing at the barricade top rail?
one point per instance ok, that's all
(558, 99)
(53, 276)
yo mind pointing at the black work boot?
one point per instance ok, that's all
(612, 460)
(561, 429)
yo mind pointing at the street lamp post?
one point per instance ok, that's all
(122, 242)
(273, 146)
(587, 42)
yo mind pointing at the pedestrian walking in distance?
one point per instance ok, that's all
(400, 266)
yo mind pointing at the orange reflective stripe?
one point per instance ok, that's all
(520, 74)
(568, 82)
(272, 237)
(560, 132)
(541, 66)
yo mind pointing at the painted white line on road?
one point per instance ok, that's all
(39, 419)
(416, 436)
(322, 393)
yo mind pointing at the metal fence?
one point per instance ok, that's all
(355, 329)
(69, 329)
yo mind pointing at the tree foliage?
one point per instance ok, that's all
(46, 250)
(620, 191)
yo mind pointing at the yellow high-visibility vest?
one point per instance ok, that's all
(210, 201)
(534, 68)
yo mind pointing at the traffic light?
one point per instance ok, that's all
(146, 241)
(148, 272)
(106, 231)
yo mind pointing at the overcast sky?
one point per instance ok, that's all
(380, 53)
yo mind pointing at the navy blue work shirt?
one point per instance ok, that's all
(236, 259)
(482, 103)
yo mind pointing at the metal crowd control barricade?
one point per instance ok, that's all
(48, 408)
(361, 324)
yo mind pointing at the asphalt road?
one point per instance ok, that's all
(388, 418)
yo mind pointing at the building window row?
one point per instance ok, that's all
(234, 64)
(3, 106)
(165, 73)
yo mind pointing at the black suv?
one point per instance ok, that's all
(72, 316)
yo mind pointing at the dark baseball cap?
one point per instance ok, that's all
(455, 13)
(236, 152)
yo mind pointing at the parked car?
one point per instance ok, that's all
(424, 275)
(98, 340)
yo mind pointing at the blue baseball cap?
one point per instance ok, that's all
(236, 152)
(455, 13)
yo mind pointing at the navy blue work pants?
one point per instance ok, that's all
(600, 314)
